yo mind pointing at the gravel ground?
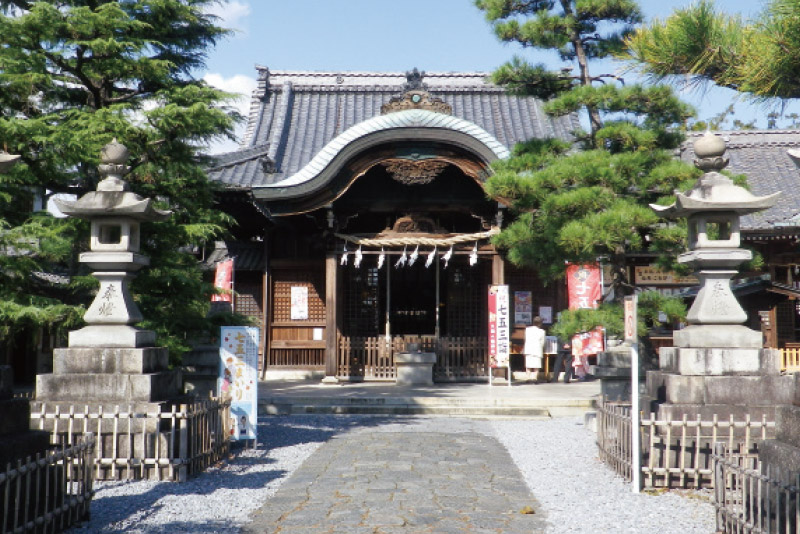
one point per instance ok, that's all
(557, 458)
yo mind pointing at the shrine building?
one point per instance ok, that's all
(363, 224)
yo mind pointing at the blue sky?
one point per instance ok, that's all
(391, 35)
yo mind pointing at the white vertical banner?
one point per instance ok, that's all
(499, 330)
(631, 335)
(299, 308)
(238, 378)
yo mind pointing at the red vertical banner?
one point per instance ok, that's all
(223, 276)
(584, 286)
(499, 327)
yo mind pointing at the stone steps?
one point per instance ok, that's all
(453, 406)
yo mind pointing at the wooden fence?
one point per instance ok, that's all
(675, 453)
(372, 358)
(751, 498)
(790, 360)
(172, 443)
(50, 492)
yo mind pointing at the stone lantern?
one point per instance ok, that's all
(115, 214)
(717, 366)
(713, 208)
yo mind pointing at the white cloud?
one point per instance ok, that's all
(232, 15)
(238, 84)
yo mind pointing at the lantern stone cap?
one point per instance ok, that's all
(114, 153)
(709, 146)
(7, 160)
(715, 192)
(112, 204)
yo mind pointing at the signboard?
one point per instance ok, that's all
(223, 277)
(584, 286)
(523, 308)
(238, 377)
(299, 311)
(546, 314)
(588, 343)
(629, 309)
(499, 327)
(651, 275)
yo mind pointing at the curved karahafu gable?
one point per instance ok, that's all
(407, 125)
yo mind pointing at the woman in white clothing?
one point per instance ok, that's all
(534, 347)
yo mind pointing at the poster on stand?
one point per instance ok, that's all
(499, 327)
(523, 308)
(238, 378)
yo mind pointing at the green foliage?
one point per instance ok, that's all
(757, 58)
(576, 206)
(75, 74)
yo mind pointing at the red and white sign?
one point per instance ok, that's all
(629, 306)
(584, 286)
(223, 277)
(588, 343)
(499, 327)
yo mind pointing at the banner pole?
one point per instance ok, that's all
(631, 335)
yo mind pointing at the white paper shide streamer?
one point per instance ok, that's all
(429, 260)
(344, 256)
(473, 258)
(381, 258)
(357, 258)
(403, 259)
(413, 257)
(447, 255)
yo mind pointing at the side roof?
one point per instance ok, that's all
(764, 157)
(294, 114)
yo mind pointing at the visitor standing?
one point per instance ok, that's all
(534, 346)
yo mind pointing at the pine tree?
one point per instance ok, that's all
(74, 75)
(579, 205)
(701, 44)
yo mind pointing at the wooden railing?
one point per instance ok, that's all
(790, 360)
(751, 498)
(49, 492)
(372, 358)
(172, 443)
(675, 453)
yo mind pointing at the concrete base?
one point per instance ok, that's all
(719, 361)
(415, 368)
(109, 360)
(103, 336)
(726, 336)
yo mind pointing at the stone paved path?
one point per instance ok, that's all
(402, 482)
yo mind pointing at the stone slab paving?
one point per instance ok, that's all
(402, 482)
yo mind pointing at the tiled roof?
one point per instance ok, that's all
(294, 114)
(762, 156)
(246, 256)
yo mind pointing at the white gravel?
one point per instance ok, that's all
(557, 457)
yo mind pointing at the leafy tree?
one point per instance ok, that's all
(74, 75)
(702, 44)
(578, 205)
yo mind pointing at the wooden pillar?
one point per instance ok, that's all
(331, 322)
(498, 270)
(266, 308)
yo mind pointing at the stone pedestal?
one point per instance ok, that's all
(613, 369)
(415, 368)
(200, 369)
(719, 381)
(783, 452)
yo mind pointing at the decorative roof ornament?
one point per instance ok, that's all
(416, 96)
(414, 80)
(414, 172)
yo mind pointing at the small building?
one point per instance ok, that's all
(363, 224)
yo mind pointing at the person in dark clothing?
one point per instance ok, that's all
(563, 360)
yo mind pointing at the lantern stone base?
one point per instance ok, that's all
(109, 374)
(674, 395)
(733, 336)
(719, 361)
(415, 368)
(111, 336)
(783, 452)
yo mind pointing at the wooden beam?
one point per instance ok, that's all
(498, 270)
